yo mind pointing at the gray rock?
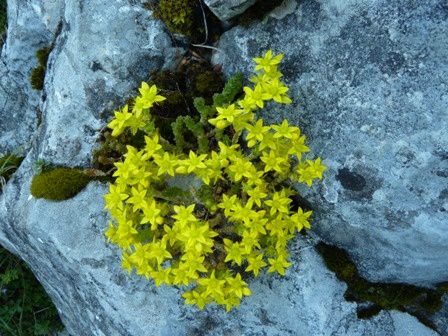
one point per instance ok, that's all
(31, 26)
(227, 9)
(369, 83)
(65, 246)
(104, 51)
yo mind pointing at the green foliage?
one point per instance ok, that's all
(37, 77)
(418, 301)
(25, 308)
(38, 74)
(240, 211)
(3, 16)
(186, 17)
(8, 164)
(42, 55)
(179, 87)
(177, 15)
(59, 184)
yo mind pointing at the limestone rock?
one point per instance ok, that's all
(369, 83)
(31, 26)
(102, 52)
(227, 9)
(105, 49)
(65, 246)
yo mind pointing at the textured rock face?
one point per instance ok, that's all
(227, 9)
(65, 244)
(102, 52)
(369, 82)
(32, 25)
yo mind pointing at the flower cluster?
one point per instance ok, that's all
(238, 215)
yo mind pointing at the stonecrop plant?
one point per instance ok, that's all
(215, 204)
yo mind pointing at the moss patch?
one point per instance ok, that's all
(37, 76)
(3, 17)
(177, 15)
(186, 17)
(417, 301)
(59, 184)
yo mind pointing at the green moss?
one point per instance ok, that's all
(3, 16)
(443, 287)
(59, 184)
(206, 84)
(418, 301)
(42, 55)
(257, 12)
(177, 15)
(186, 17)
(37, 77)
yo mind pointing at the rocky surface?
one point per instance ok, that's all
(369, 83)
(102, 51)
(64, 243)
(32, 25)
(227, 9)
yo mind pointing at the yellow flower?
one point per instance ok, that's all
(273, 161)
(149, 95)
(195, 162)
(278, 265)
(137, 198)
(197, 236)
(195, 297)
(228, 113)
(283, 130)
(278, 203)
(152, 146)
(301, 219)
(115, 197)
(235, 251)
(237, 286)
(161, 277)
(213, 286)
(268, 62)
(120, 121)
(228, 204)
(254, 98)
(256, 132)
(256, 195)
(166, 163)
(275, 90)
(184, 215)
(256, 263)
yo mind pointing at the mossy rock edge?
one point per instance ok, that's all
(59, 184)
(37, 78)
(417, 301)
